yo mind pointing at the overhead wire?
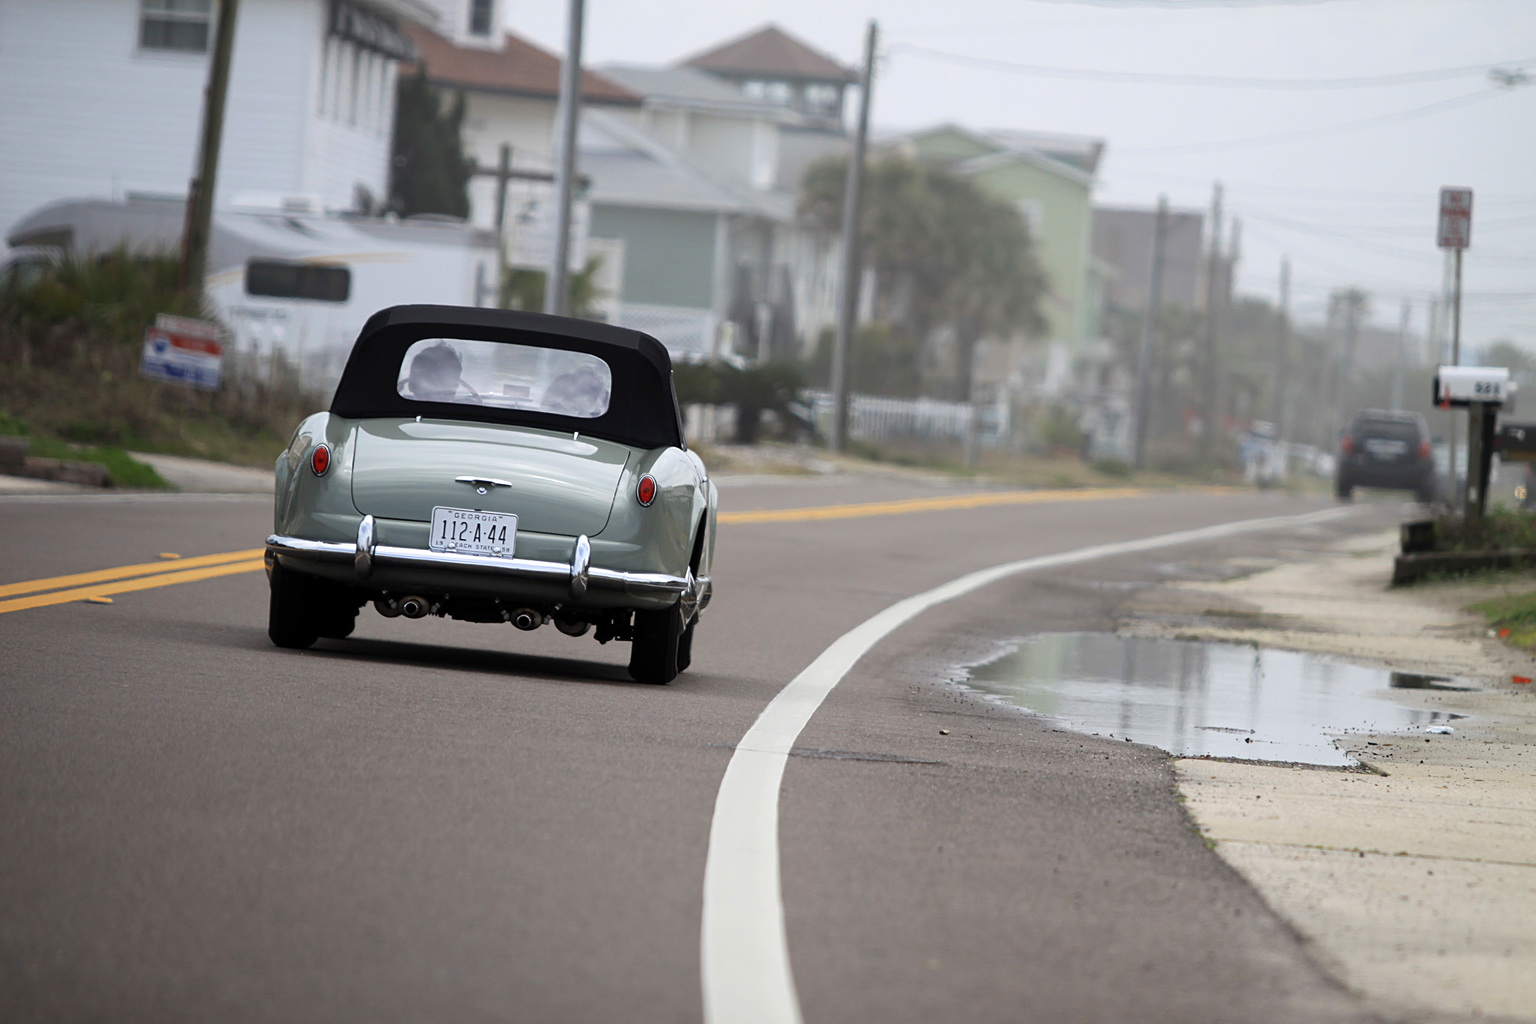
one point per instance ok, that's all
(1307, 134)
(1222, 81)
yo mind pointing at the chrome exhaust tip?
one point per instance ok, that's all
(414, 607)
(527, 619)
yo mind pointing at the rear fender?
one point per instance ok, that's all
(658, 538)
(310, 506)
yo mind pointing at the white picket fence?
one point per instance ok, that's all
(878, 418)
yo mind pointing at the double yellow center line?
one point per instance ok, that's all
(102, 583)
(904, 506)
(83, 586)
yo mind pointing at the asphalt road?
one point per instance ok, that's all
(440, 821)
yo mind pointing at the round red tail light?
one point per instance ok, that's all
(1423, 450)
(320, 459)
(1348, 444)
(646, 492)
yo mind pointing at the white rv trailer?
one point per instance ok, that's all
(292, 283)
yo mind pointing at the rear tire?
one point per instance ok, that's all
(685, 647)
(1344, 490)
(291, 619)
(653, 654)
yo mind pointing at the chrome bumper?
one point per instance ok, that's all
(577, 576)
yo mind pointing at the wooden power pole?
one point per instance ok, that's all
(1209, 411)
(1144, 351)
(556, 292)
(848, 306)
(199, 217)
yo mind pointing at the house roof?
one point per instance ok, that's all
(519, 68)
(1080, 151)
(628, 167)
(1005, 147)
(770, 52)
(690, 87)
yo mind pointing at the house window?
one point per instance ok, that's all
(822, 99)
(283, 280)
(180, 25)
(480, 17)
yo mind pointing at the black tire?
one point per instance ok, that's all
(654, 650)
(337, 621)
(291, 619)
(685, 646)
(1344, 490)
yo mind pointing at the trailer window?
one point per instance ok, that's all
(283, 280)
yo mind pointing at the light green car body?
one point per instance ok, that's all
(562, 487)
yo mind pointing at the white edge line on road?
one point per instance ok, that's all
(743, 951)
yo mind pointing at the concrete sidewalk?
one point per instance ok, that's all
(201, 476)
(1415, 880)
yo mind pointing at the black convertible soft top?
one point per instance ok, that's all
(642, 411)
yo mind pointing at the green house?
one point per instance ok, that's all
(1049, 179)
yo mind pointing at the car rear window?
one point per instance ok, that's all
(1395, 430)
(499, 375)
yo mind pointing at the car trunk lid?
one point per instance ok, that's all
(559, 483)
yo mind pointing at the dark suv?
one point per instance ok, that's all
(1389, 450)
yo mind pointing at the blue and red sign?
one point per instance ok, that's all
(183, 351)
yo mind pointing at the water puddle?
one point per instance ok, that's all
(1195, 698)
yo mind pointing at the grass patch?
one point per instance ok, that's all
(1514, 612)
(70, 344)
(1502, 529)
(122, 468)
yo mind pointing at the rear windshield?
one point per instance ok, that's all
(1395, 430)
(498, 375)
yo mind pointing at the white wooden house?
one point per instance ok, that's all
(104, 99)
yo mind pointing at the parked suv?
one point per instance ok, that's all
(1389, 450)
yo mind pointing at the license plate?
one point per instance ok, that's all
(467, 532)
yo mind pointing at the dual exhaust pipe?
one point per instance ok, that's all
(414, 606)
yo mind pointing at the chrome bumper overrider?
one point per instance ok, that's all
(577, 576)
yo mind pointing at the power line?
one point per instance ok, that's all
(1233, 82)
(1320, 132)
(1351, 196)
(1173, 5)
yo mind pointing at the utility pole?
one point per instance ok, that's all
(556, 292)
(1281, 412)
(1402, 354)
(1209, 410)
(848, 307)
(1149, 332)
(503, 178)
(199, 216)
(1351, 303)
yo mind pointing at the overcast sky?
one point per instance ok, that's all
(1354, 206)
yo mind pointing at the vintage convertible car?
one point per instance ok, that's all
(495, 466)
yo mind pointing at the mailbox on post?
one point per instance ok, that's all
(1482, 391)
(1462, 386)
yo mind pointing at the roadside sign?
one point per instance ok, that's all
(1455, 218)
(183, 351)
